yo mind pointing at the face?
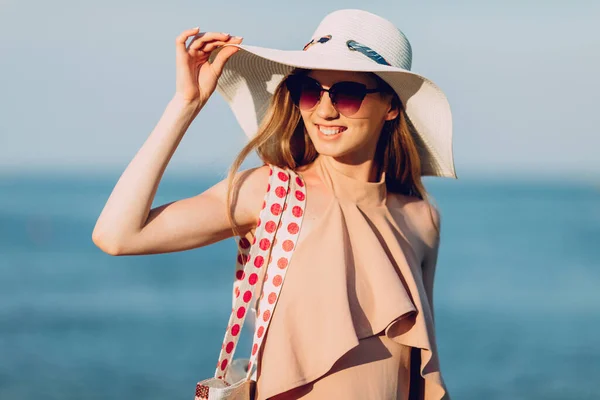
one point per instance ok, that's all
(350, 137)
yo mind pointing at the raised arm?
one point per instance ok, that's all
(127, 225)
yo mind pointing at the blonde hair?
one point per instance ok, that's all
(281, 140)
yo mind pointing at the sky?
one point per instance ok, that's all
(83, 83)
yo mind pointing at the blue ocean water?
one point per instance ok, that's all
(516, 299)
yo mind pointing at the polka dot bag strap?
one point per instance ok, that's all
(284, 188)
(281, 254)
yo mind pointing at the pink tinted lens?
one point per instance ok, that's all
(309, 96)
(347, 104)
(348, 97)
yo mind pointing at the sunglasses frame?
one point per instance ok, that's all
(294, 83)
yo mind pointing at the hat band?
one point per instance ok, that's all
(353, 45)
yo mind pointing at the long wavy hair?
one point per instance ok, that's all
(282, 140)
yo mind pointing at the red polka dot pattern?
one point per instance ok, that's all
(293, 228)
(253, 279)
(276, 209)
(264, 244)
(280, 192)
(202, 391)
(241, 312)
(281, 216)
(242, 258)
(288, 245)
(266, 315)
(272, 298)
(297, 211)
(270, 226)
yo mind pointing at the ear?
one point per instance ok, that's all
(393, 110)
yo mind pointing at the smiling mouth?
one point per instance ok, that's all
(331, 130)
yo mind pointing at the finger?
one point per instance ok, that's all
(182, 38)
(202, 39)
(204, 52)
(208, 47)
(223, 55)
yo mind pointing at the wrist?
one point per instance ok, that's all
(186, 104)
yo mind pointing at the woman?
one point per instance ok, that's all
(355, 319)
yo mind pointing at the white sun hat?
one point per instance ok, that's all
(346, 40)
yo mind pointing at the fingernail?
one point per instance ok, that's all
(225, 33)
(238, 37)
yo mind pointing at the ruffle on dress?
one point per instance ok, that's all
(353, 276)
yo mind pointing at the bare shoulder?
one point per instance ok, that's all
(424, 217)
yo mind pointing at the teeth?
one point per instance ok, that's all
(331, 131)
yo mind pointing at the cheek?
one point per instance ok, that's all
(373, 116)
(374, 109)
(306, 118)
(366, 132)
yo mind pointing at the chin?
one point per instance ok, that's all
(336, 146)
(334, 150)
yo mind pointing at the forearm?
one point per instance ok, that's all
(128, 206)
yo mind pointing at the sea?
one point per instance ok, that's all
(517, 293)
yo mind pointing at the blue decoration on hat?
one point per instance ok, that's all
(367, 51)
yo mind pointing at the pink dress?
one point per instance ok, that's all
(352, 307)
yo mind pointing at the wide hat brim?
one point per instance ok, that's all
(251, 75)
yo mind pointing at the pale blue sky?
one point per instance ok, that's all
(83, 83)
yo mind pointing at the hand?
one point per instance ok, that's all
(196, 78)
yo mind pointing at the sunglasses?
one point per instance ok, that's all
(346, 97)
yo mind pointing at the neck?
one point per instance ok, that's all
(363, 170)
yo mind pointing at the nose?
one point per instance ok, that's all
(325, 108)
